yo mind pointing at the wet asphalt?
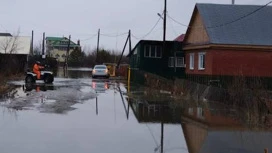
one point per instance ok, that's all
(80, 114)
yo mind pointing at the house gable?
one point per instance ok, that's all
(196, 32)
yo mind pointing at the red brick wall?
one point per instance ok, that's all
(246, 63)
(233, 62)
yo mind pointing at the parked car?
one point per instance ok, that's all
(100, 71)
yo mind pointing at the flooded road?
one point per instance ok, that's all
(79, 114)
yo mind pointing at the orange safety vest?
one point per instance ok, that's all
(36, 68)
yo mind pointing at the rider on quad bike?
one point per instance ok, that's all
(37, 69)
(39, 72)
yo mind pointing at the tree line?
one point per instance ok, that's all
(88, 58)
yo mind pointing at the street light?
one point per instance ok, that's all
(160, 15)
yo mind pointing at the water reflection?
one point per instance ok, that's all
(74, 73)
(100, 85)
(152, 106)
(110, 119)
(37, 87)
(214, 127)
(48, 98)
(207, 126)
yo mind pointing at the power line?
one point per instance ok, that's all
(148, 32)
(93, 36)
(224, 24)
(177, 21)
(242, 17)
(152, 28)
(173, 29)
(107, 35)
(135, 37)
(118, 35)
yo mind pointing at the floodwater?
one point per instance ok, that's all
(79, 114)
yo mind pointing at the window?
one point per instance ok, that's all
(200, 112)
(147, 51)
(201, 61)
(191, 111)
(180, 62)
(171, 62)
(192, 58)
(152, 51)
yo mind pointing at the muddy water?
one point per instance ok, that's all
(78, 114)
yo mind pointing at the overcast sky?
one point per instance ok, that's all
(82, 18)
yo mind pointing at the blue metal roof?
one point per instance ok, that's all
(237, 24)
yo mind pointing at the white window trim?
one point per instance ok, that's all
(149, 51)
(200, 113)
(176, 62)
(145, 51)
(200, 63)
(170, 61)
(192, 61)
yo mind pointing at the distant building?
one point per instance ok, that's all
(14, 51)
(56, 47)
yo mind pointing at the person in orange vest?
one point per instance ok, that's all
(37, 69)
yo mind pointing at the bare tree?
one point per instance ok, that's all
(11, 44)
(38, 48)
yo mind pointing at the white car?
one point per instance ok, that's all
(100, 71)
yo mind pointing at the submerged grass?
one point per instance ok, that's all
(4, 86)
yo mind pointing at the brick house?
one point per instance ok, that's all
(229, 40)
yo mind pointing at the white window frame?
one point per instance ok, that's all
(200, 113)
(191, 111)
(192, 61)
(201, 61)
(171, 61)
(149, 51)
(182, 64)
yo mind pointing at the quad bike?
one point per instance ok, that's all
(46, 76)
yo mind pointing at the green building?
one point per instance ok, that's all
(148, 56)
(56, 47)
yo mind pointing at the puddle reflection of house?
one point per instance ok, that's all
(155, 111)
(218, 129)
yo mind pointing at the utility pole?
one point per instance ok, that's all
(164, 21)
(67, 53)
(31, 47)
(123, 50)
(98, 38)
(43, 44)
(129, 36)
(163, 50)
(233, 2)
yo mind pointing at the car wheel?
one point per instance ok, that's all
(29, 79)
